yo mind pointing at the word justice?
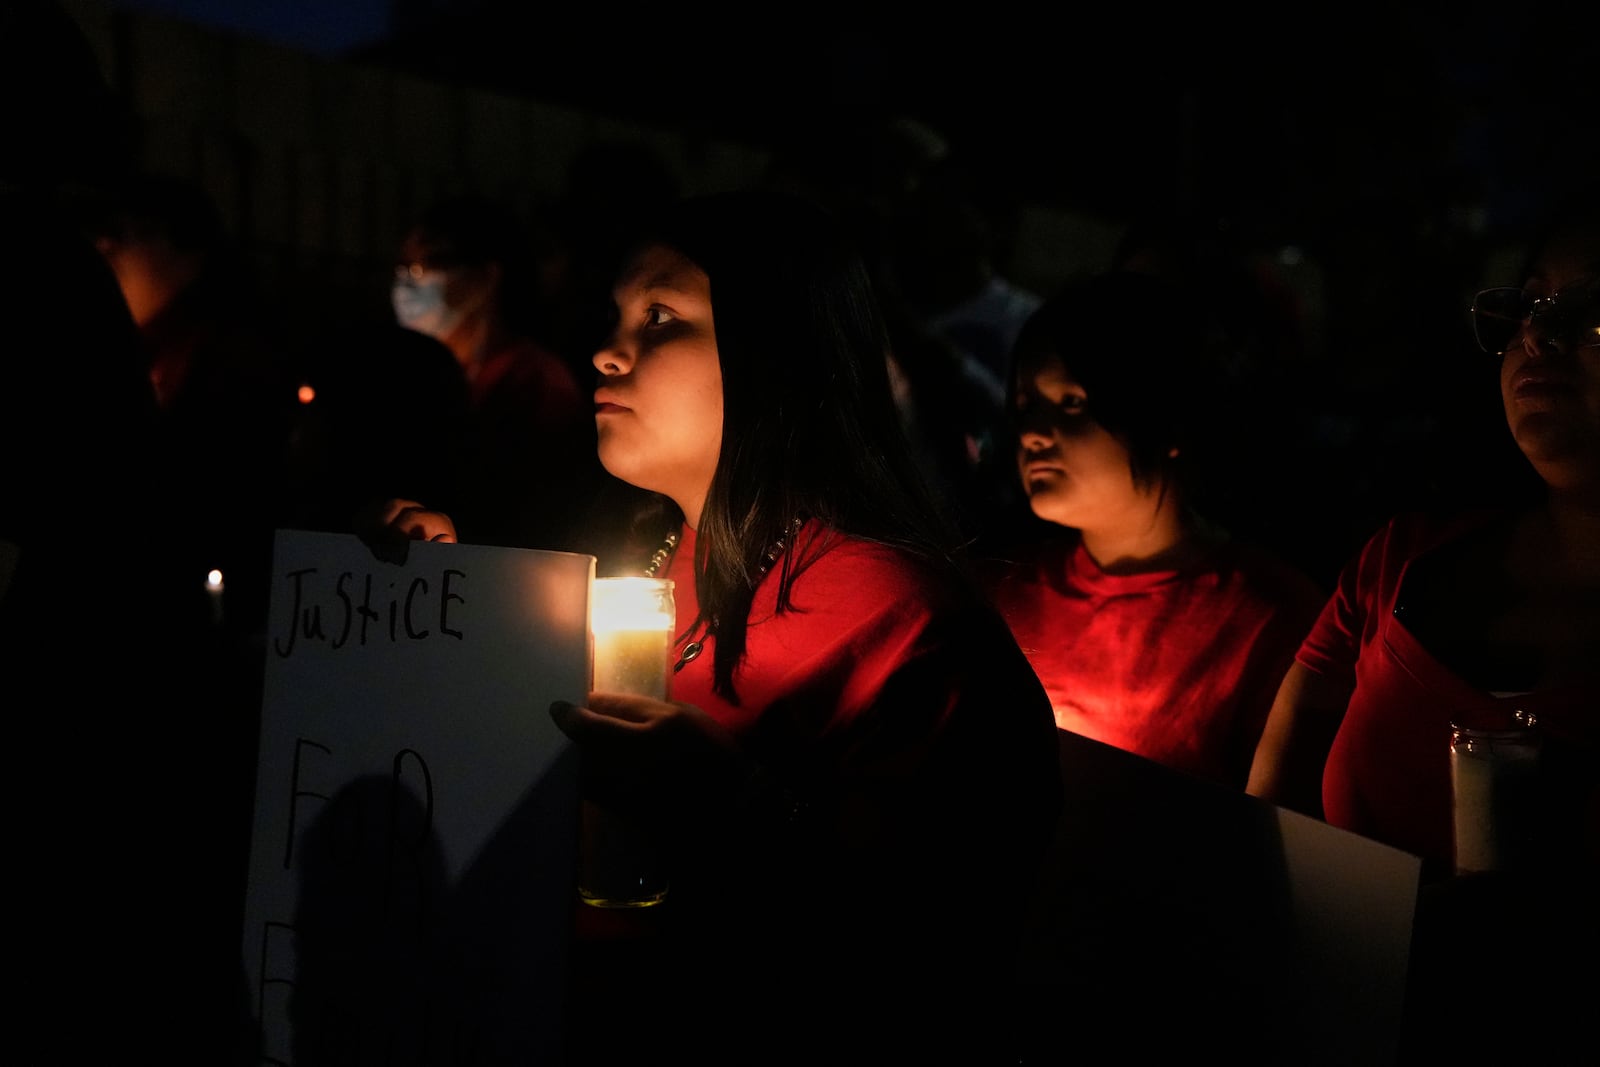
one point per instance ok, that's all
(401, 616)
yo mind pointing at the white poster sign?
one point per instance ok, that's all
(412, 858)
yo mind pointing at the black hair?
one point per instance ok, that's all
(1140, 349)
(810, 428)
(150, 205)
(475, 230)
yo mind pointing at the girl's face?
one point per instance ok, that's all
(1550, 384)
(658, 410)
(1075, 473)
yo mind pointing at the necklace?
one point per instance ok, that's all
(662, 554)
(669, 545)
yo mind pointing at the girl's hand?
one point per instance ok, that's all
(390, 526)
(649, 756)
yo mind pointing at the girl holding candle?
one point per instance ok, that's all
(857, 773)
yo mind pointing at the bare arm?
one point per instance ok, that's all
(1294, 745)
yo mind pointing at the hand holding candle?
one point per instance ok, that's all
(631, 624)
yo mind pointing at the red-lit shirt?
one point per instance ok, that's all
(1178, 667)
(884, 678)
(896, 706)
(1388, 773)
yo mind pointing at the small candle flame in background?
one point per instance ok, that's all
(214, 588)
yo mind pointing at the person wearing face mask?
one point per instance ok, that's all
(1153, 629)
(419, 303)
(528, 476)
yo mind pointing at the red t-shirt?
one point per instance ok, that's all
(1388, 773)
(896, 706)
(1178, 667)
(886, 686)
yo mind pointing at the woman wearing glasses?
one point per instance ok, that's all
(1474, 617)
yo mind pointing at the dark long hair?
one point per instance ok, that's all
(809, 427)
(1135, 343)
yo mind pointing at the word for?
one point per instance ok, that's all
(357, 976)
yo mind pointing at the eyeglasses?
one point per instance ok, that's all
(1570, 315)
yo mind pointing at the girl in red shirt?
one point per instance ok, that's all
(1153, 629)
(858, 768)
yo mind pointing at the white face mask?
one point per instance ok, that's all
(419, 303)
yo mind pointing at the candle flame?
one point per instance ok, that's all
(629, 604)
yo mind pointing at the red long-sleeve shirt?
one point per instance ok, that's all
(896, 707)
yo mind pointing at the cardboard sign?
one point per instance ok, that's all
(1191, 922)
(412, 859)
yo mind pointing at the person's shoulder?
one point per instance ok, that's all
(1419, 529)
(837, 554)
(903, 599)
(861, 577)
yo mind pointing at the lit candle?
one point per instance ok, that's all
(214, 590)
(631, 620)
(632, 625)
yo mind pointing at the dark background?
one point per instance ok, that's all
(1298, 115)
(1381, 162)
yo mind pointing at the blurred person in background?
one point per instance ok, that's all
(222, 376)
(121, 858)
(357, 380)
(944, 249)
(528, 475)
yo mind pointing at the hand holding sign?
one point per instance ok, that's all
(412, 867)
